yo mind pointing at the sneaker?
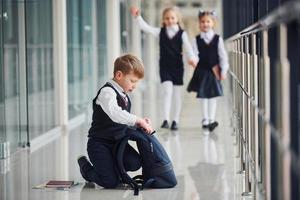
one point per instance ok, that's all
(213, 125)
(82, 161)
(165, 124)
(174, 126)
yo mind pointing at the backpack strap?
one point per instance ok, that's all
(123, 173)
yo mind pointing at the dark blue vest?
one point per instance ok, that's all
(208, 53)
(102, 126)
(170, 49)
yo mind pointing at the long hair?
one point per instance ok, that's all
(176, 10)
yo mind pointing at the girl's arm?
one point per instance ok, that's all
(195, 49)
(135, 12)
(192, 59)
(223, 57)
(146, 27)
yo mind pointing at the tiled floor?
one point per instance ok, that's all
(204, 163)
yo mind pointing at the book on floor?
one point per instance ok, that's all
(59, 184)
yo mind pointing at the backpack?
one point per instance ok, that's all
(157, 169)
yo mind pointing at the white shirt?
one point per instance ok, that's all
(171, 31)
(107, 99)
(207, 37)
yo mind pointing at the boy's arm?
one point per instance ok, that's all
(107, 99)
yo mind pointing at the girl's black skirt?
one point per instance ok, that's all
(205, 84)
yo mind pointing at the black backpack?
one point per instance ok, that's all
(157, 169)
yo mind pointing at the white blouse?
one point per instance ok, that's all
(207, 37)
(171, 31)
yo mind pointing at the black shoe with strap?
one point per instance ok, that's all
(213, 125)
(82, 161)
(165, 124)
(174, 126)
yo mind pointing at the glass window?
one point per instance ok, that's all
(10, 81)
(102, 42)
(40, 73)
(86, 52)
(11, 75)
(2, 122)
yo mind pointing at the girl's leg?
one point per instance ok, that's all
(205, 117)
(212, 107)
(177, 90)
(167, 99)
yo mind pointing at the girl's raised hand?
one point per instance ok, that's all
(134, 11)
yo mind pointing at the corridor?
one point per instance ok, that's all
(204, 162)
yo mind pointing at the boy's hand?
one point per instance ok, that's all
(193, 63)
(134, 11)
(145, 125)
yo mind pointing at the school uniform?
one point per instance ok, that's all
(172, 39)
(203, 81)
(111, 117)
(170, 61)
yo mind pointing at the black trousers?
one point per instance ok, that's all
(102, 169)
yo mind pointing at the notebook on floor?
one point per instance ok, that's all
(59, 184)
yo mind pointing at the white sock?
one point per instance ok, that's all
(205, 119)
(212, 107)
(177, 102)
(167, 99)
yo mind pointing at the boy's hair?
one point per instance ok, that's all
(177, 12)
(128, 63)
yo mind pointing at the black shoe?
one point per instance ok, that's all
(165, 124)
(205, 126)
(174, 126)
(213, 125)
(82, 161)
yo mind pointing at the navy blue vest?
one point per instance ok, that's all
(102, 126)
(208, 53)
(170, 49)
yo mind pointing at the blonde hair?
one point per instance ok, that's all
(176, 10)
(128, 63)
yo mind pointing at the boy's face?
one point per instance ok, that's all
(128, 82)
(206, 23)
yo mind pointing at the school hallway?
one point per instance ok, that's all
(204, 162)
(56, 54)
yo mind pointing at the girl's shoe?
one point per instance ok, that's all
(174, 126)
(213, 125)
(165, 124)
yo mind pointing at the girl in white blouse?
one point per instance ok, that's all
(211, 68)
(172, 39)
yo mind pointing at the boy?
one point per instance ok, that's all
(111, 119)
